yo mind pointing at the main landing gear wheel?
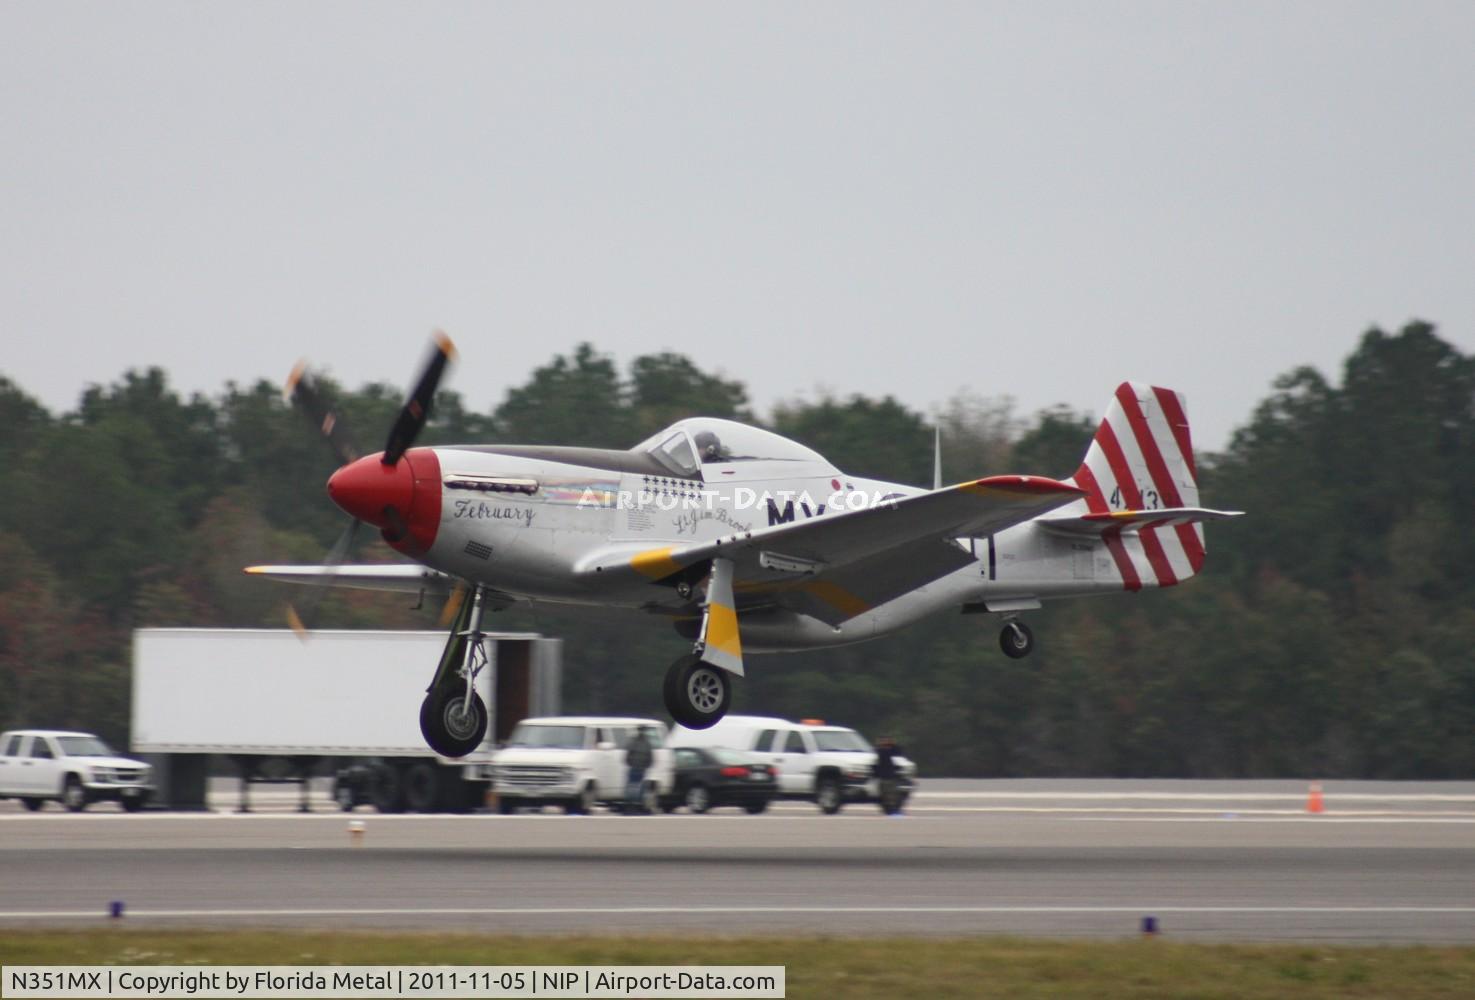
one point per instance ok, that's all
(697, 693)
(1016, 640)
(449, 729)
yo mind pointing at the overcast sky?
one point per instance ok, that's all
(1038, 199)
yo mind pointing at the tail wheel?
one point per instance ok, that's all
(697, 694)
(1016, 640)
(449, 727)
(32, 804)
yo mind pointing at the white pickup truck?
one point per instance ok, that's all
(826, 765)
(577, 762)
(74, 768)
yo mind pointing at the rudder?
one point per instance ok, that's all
(1141, 459)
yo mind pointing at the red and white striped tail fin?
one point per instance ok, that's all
(1141, 460)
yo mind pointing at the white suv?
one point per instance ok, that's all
(75, 768)
(576, 762)
(826, 765)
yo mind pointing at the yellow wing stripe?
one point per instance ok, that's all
(837, 597)
(655, 563)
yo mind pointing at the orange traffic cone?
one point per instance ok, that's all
(1313, 799)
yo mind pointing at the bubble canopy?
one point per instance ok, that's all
(688, 445)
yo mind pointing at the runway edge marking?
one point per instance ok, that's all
(699, 910)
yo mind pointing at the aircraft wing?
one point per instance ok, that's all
(404, 577)
(842, 592)
(838, 566)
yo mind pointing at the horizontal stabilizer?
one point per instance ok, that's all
(1126, 521)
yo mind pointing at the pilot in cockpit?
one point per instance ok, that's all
(708, 446)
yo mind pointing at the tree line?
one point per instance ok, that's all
(1330, 635)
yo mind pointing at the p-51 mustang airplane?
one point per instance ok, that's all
(747, 541)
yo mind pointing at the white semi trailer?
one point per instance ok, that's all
(283, 708)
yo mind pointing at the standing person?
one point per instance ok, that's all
(888, 777)
(638, 756)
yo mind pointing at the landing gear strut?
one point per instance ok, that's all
(698, 687)
(1016, 640)
(697, 693)
(453, 718)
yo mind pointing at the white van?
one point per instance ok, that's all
(577, 761)
(74, 768)
(826, 765)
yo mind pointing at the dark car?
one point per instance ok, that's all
(710, 777)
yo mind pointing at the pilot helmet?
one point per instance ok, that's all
(708, 446)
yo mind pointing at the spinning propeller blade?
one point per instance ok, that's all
(416, 411)
(452, 607)
(302, 392)
(336, 557)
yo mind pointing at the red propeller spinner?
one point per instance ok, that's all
(402, 500)
(372, 491)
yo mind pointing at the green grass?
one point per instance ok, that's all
(829, 967)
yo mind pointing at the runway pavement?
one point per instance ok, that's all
(1227, 860)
